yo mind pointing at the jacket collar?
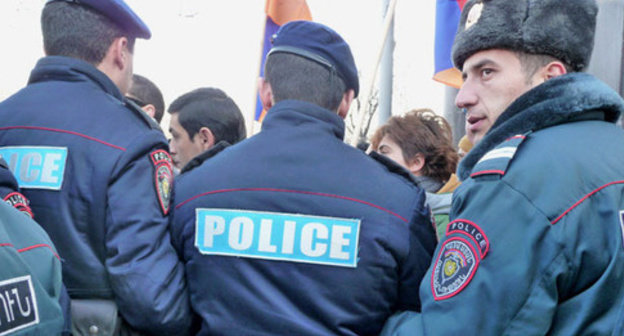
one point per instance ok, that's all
(72, 69)
(300, 113)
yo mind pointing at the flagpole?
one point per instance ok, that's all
(388, 19)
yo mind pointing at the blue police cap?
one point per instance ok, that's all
(318, 43)
(118, 12)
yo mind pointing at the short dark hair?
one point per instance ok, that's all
(147, 92)
(296, 77)
(212, 108)
(79, 32)
(422, 131)
(532, 62)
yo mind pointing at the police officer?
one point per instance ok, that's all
(293, 232)
(536, 242)
(30, 277)
(97, 171)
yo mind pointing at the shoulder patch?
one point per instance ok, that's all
(163, 177)
(496, 161)
(19, 202)
(454, 267)
(458, 258)
(473, 231)
(23, 311)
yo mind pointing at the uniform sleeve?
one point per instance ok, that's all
(494, 273)
(422, 241)
(145, 272)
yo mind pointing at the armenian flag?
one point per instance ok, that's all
(447, 20)
(278, 12)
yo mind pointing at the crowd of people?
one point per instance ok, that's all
(109, 228)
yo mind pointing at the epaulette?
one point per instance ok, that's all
(141, 114)
(496, 161)
(393, 167)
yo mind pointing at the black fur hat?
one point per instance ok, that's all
(563, 29)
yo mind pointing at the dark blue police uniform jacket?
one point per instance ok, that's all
(96, 174)
(293, 232)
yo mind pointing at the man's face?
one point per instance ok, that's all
(183, 148)
(493, 79)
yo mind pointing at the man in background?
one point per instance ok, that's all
(203, 123)
(147, 96)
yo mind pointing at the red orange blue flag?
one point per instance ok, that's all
(446, 22)
(278, 12)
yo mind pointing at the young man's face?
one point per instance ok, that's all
(183, 148)
(493, 79)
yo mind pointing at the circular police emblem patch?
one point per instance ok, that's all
(164, 182)
(163, 176)
(454, 267)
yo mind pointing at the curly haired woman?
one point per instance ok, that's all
(422, 142)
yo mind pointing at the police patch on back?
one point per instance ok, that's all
(163, 178)
(19, 305)
(277, 236)
(36, 167)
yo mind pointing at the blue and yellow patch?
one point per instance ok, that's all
(36, 167)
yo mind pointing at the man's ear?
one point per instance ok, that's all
(115, 62)
(345, 103)
(552, 70)
(121, 52)
(150, 110)
(266, 93)
(206, 138)
(416, 164)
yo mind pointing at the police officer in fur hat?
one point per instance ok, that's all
(292, 231)
(97, 173)
(535, 245)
